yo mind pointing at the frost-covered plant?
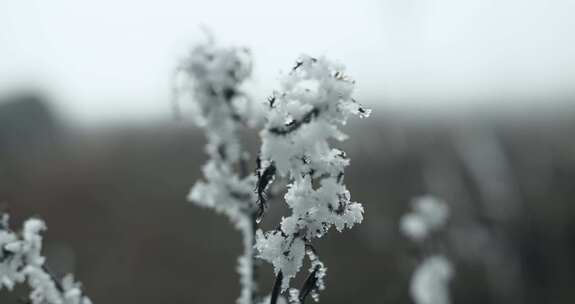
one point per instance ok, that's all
(21, 261)
(430, 281)
(315, 99)
(215, 76)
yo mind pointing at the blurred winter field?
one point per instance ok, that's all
(472, 102)
(114, 201)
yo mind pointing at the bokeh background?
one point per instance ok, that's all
(473, 102)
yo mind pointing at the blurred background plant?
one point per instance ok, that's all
(214, 76)
(22, 262)
(473, 104)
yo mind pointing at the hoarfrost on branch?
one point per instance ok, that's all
(315, 99)
(21, 261)
(215, 75)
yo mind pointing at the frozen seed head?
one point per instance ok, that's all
(216, 75)
(314, 101)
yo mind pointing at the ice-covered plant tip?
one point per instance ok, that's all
(216, 74)
(315, 99)
(21, 261)
(430, 281)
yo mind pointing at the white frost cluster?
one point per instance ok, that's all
(216, 75)
(430, 282)
(21, 261)
(429, 214)
(314, 100)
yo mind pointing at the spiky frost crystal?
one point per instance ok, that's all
(21, 261)
(314, 101)
(215, 75)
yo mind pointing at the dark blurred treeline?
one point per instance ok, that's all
(114, 201)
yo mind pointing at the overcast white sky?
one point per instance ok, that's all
(111, 59)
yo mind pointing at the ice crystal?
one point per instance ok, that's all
(315, 99)
(216, 75)
(21, 261)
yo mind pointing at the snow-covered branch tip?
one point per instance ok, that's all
(430, 281)
(214, 77)
(315, 99)
(21, 261)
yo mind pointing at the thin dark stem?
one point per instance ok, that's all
(54, 278)
(308, 285)
(294, 125)
(277, 288)
(254, 260)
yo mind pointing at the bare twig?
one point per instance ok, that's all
(277, 288)
(309, 285)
